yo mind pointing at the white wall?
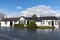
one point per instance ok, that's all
(5, 25)
(49, 21)
(22, 19)
(17, 22)
(46, 23)
(56, 25)
(38, 23)
(13, 23)
(26, 21)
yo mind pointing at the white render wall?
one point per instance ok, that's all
(46, 23)
(17, 22)
(56, 26)
(38, 23)
(26, 21)
(13, 23)
(5, 25)
(22, 19)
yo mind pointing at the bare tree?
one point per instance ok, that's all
(2, 15)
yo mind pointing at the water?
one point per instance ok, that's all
(24, 34)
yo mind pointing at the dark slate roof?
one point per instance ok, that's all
(59, 18)
(10, 19)
(28, 18)
(49, 18)
(36, 19)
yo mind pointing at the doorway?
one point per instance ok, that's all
(53, 23)
(11, 23)
(27, 22)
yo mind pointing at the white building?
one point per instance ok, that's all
(40, 21)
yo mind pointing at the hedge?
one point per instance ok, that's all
(31, 25)
(18, 26)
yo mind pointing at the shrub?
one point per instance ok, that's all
(18, 25)
(31, 25)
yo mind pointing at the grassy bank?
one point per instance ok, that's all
(30, 26)
(18, 26)
(45, 27)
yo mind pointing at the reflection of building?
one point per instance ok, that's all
(40, 21)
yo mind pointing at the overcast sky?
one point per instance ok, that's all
(29, 7)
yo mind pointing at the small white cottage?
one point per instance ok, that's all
(50, 21)
(7, 22)
(40, 21)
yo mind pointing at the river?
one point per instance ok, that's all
(25, 34)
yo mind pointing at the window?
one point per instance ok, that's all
(49, 23)
(43, 22)
(22, 22)
(56, 22)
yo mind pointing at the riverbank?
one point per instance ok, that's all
(45, 27)
(39, 27)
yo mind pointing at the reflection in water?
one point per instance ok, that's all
(25, 34)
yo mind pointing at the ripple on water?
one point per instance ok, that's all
(9, 37)
(19, 34)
